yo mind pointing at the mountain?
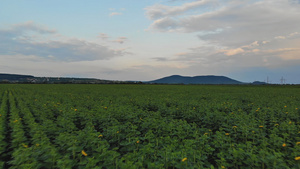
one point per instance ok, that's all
(177, 79)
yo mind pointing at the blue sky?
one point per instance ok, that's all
(145, 40)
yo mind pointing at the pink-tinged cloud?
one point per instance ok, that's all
(285, 53)
(256, 50)
(230, 52)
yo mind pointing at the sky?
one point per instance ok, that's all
(247, 40)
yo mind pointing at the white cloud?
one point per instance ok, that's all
(168, 23)
(31, 39)
(293, 34)
(265, 42)
(280, 37)
(115, 13)
(159, 11)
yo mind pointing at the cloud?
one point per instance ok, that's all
(252, 45)
(265, 42)
(236, 33)
(31, 26)
(120, 40)
(231, 52)
(231, 21)
(225, 59)
(280, 37)
(160, 59)
(31, 39)
(115, 13)
(293, 34)
(285, 53)
(103, 36)
(159, 11)
(107, 38)
(242, 49)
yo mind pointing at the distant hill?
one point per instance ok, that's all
(14, 77)
(259, 83)
(177, 79)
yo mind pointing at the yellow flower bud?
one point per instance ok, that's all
(83, 153)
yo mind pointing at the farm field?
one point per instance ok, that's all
(149, 126)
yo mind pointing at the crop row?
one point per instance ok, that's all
(3, 127)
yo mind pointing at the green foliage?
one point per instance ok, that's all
(149, 126)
